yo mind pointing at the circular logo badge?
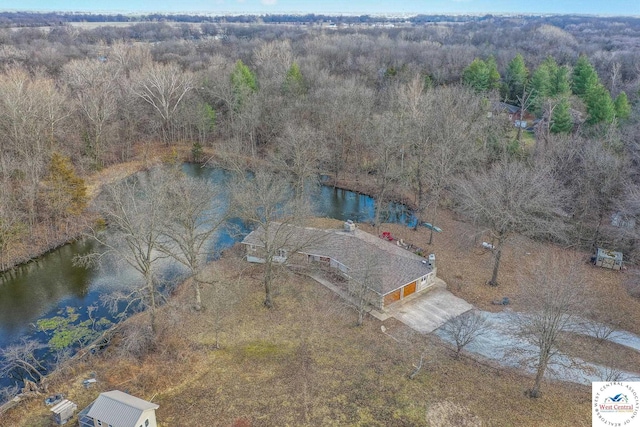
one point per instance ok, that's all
(615, 403)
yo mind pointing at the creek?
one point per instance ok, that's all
(45, 287)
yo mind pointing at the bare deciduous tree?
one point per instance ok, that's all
(510, 199)
(194, 215)
(20, 360)
(384, 166)
(134, 212)
(464, 329)
(163, 87)
(30, 113)
(299, 153)
(446, 130)
(263, 200)
(554, 297)
(95, 86)
(366, 277)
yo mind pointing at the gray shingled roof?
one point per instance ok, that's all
(361, 252)
(119, 409)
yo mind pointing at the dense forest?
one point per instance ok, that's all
(414, 109)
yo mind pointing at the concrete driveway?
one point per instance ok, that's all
(428, 311)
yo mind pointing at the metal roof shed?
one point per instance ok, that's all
(118, 409)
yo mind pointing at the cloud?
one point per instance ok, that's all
(268, 2)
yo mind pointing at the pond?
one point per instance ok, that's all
(42, 288)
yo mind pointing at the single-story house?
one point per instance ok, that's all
(118, 409)
(398, 272)
(514, 112)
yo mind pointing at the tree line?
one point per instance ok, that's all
(407, 108)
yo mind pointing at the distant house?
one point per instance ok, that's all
(118, 409)
(513, 113)
(351, 251)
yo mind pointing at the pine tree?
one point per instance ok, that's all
(561, 121)
(244, 82)
(516, 78)
(476, 75)
(541, 86)
(552, 67)
(66, 192)
(599, 105)
(585, 77)
(494, 75)
(622, 107)
(294, 81)
(562, 83)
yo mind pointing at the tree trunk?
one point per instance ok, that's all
(152, 303)
(433, 222)
(419, 198)
(268, 302)
(542, 367)
(496, 264)
(196, 286)
(596, 234)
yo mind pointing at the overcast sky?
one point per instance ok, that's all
(601, 7)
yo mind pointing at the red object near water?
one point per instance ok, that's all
(387, 236)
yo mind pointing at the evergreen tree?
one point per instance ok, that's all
(476, 75)
(599, 105)
(244, 82)
(494, 75)
(66, 192)
(622, 107)
(562, 83)
(482, 76)
(552, 67)
(585, 77)
(541, 86)
(294, 81)
(516, 78)
(561, 121)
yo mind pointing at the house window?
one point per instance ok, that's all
(252, 248)
(282, 253)
(146, 423)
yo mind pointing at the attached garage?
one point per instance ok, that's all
(392, 297)
(409, 289)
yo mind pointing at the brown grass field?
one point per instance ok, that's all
(304, 363)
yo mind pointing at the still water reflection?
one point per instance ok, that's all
(41, 288)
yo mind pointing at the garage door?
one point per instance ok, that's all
(392, 297)
(409, 289)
